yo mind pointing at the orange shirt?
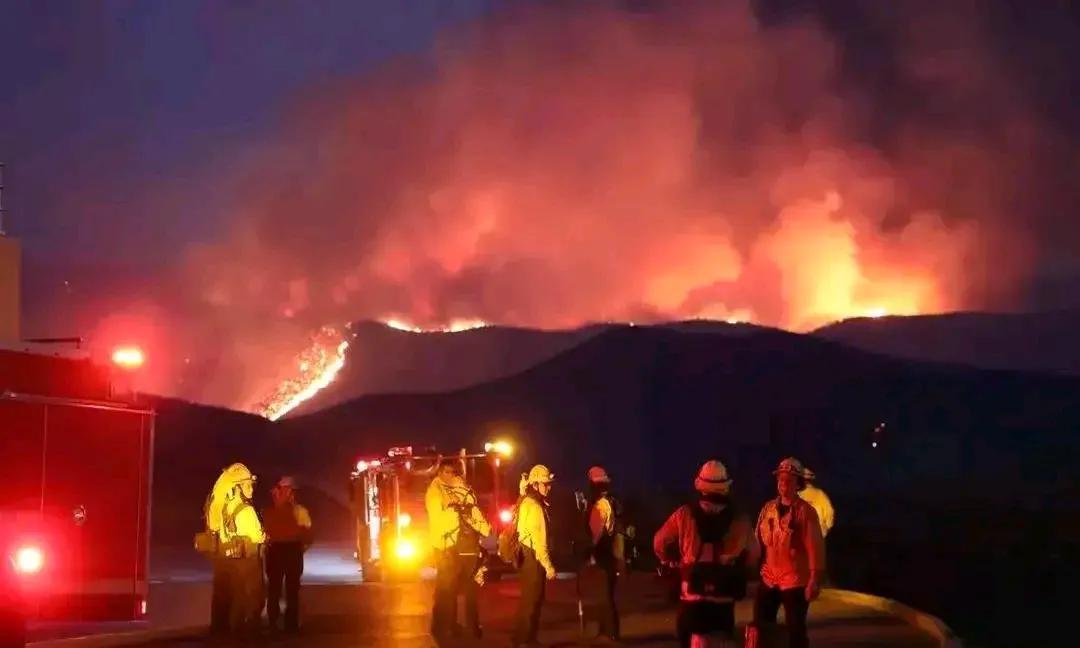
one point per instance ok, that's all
(287, 523)
(793, 544)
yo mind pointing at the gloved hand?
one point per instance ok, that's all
(550, 573)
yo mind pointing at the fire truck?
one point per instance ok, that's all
(387, 494)
(76, 457)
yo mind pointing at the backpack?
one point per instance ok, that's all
(611, 545)
(509, 544)
(712, 578)
(236, 546)
(468, 539)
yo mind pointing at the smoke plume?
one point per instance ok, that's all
(562, 164)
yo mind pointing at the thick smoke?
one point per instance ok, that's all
(557, 165)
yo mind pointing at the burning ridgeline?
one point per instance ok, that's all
(316, 367)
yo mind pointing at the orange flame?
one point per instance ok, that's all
(454, 326)
(317, 367)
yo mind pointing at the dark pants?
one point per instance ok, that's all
(444, 609)
(284, 564)
(454, 577)
(533, 584)
(466, 586)
(221, 598)
(767, 604)
(704, 618)
(246, 594)
(607, 613)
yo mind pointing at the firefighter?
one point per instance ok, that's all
(536, 566)
(442, 524)
(606, 553)
(455, 523)
(288, 533)
(790, 534)
(237, 600)
(467, 554)
(819, 500)
(715, 543)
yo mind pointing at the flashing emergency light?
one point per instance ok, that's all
(404, 520)
(28, 559)
(505, 516)
(362, 465)
(502, 448)
(128, 357)
(405, 549)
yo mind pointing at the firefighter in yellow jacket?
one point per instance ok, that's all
(536, 566)
(456, 525)
(238, 586)
(817, 498)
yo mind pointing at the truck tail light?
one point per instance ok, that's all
(505, 516)
(28, 559)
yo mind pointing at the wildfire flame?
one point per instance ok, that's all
(454, 326)
(317, 366)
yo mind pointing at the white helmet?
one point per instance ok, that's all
(712, 478)
(791, 465)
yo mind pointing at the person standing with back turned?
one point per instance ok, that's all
(715, 544)
(605, 554)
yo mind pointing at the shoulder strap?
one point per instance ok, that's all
(699, 522)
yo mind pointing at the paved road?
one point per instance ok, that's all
(397, 615)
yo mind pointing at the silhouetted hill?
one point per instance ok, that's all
(971, 485)
(384, 360)
(1044, 342)
(193, 443)
(653, 403)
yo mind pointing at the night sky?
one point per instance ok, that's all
(106, 106)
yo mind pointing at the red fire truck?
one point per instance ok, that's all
(75, 504)
(388, 491)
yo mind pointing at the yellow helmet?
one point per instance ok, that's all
(222, 491)
(540, 475)
(237, 473)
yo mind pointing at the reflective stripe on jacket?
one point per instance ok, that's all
(532, 529)
(793, 544)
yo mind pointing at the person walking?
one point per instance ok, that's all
(606, 550)
(288, 532)
(715, 544)
(536, 566)
(790, 534)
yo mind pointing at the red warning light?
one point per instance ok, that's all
(29, 560)
(128, 357)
